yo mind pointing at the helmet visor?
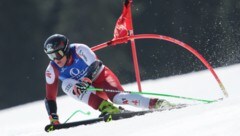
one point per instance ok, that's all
(56, 55)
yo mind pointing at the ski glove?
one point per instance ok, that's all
(54, 119)
(82, 87)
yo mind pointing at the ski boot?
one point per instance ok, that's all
(107, 109)
(160, 104)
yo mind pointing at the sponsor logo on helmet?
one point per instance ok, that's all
(50, 47)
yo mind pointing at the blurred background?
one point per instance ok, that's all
(210, 27)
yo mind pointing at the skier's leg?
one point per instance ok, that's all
(88, 97)
(132, 99)
(108, 80)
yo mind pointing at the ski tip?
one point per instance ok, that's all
(107, 117)
(49, 128)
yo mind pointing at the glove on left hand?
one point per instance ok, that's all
(54, 119)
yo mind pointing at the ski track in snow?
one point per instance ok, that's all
(216, 119)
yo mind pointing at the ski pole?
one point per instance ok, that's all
(85, 113)
(150, 93)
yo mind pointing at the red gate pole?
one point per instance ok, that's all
(133, 46)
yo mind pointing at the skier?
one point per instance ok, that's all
(77, 66)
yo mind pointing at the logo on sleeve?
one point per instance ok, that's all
(50, 76)
(81, 54)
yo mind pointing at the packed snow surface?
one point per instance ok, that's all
(216, 119)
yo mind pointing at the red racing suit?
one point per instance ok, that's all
(82, 62)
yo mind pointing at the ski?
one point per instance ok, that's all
(51, 127)
(107, 118)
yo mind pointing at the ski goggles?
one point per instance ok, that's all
(58, 55)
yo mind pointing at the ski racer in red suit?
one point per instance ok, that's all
(77, 67)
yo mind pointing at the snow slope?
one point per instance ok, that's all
(216, 119)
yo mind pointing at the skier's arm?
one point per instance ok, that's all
(51, 93)
(90, 58)
(94, 69)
